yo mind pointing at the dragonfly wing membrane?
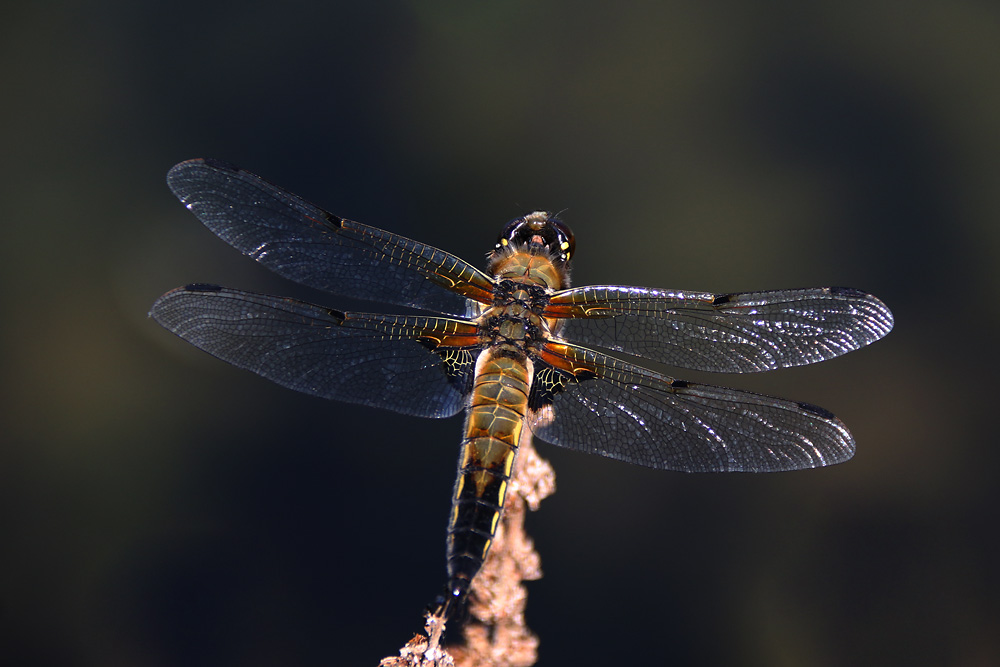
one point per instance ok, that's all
(313, 247)
(413, 365)
(590, 402)
(732, 333)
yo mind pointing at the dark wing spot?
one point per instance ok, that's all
(337, 315)
(816, 410)
(845, 291)
(221, 164)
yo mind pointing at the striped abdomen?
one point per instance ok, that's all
(493, 426)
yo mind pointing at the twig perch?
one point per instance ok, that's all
(495, 634)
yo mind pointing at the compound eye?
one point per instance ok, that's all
(509, 233)
(567, 242)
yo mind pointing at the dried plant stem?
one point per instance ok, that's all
(495, 634)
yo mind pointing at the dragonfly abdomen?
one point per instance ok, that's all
(493, 426)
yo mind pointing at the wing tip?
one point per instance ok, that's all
(880, 316)
(157, 309)
(201, 162)
(181, 170)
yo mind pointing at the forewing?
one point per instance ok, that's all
(731, 333)
(304, 243)
(418, 366)
(587, 401)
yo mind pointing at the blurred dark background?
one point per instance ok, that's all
(158, 507)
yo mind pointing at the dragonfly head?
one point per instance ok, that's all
(537, 233)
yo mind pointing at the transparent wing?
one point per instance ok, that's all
(414, 365)
(593, 403)
(732, 333)
(304, 243)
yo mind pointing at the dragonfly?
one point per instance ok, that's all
(515, 347)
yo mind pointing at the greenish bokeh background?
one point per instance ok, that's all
(161, 508)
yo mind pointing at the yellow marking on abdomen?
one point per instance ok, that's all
(493, 426)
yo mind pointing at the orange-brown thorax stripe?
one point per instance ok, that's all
(558, 356)
(457, 334)
(555, 309)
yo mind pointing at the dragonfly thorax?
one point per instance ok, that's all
(513, 325)
(515, 317)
